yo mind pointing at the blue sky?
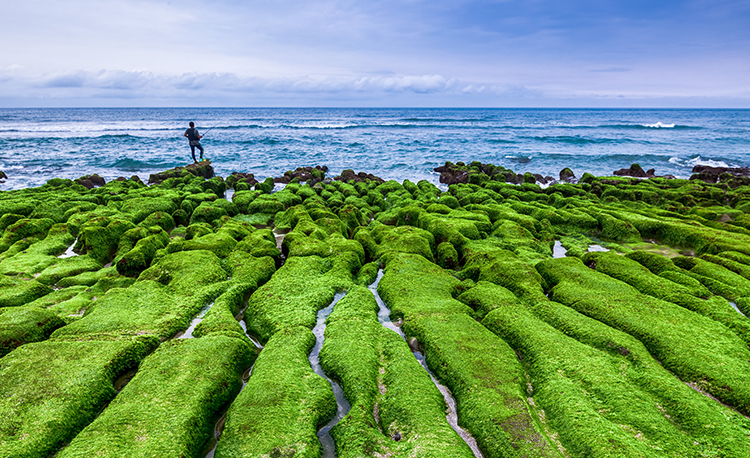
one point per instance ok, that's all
(385, 53)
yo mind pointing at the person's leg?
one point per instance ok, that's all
(200, 147)
(192, 152)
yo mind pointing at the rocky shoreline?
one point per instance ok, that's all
(564, 317)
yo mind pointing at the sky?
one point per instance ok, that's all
(393, 53)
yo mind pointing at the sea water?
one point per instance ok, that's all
(398, 143)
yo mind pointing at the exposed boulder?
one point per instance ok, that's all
(200, 169)
(348, 176)
(310, 175)
(635, 170)
(91, 181)
(567, 175)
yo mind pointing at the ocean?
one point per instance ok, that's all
(398, 143)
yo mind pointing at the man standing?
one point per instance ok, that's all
(195, 140)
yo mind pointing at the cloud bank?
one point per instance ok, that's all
(386, 53)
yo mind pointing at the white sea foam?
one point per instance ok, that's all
(659, 125)
(697, 161)
(708, 162)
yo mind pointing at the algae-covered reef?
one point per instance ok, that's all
(600, 317)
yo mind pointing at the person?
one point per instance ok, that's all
(194, 139)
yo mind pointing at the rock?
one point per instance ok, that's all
(567, 175)
(237, 178)
(476, 173)
(3, 176)
(91, 181)
(200, 169)
(635, 170)
(734, 176)
(540, 179)
(349, 176)
(310, 175)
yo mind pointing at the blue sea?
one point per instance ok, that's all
(398, 143)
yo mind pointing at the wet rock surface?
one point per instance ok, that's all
(129, 314)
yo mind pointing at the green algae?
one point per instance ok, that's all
(279, 410)
(697, 349)
(604, 394)
(67, 267)
(297, 291)
(396, 409)
(50, 390)
(643, 280)
(21, 325)
(17, 291)
(170, 405)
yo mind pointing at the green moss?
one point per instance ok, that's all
(297, 291)
(604, 394)
(715, 277)
(50, 390)
(389, 392)
(447, 256)
(219, 244)
(140, 208)
(138, 259)
(697, 349)
(67, 267)
(413, 286)
(22, 325)
(643, 280)
(259, 244)
(487, 381)
(170, 405)
(24, 228)
(220, 318)
(186, 272)
(15, 291)
(207, 212)
(160, 219)
(282, 405)
(367, 274)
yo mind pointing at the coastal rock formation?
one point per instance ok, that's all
(734, 176)
(476, 173)
(241, 181)
(310, 175)
(567, 175)
(199, 169)
(349, 176)
(635, 170)
(90, 181)
(602, 318)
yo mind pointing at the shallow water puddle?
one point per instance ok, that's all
(69, 252)
(384, 316)
(597, 247)
(188, 334)
(558, 251)
(734, 306)
(342, 405)
(229, 194)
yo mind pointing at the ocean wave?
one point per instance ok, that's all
(442, 120)
(578, 140)
(690, 163)
(648, 126)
